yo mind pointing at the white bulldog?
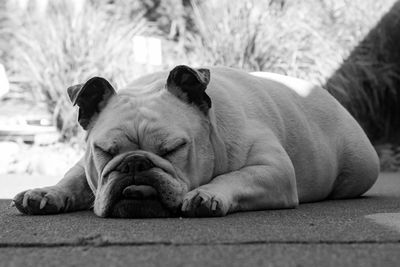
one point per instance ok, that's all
(208, 142)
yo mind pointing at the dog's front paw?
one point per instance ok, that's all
(48, 200)
(202, 202)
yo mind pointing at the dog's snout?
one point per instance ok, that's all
(135, 163)
(142, 164)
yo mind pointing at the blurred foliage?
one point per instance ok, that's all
(45, 52)
(389, 156)
(237, 37)
(303, 39)
(368, 81)
(51, 51)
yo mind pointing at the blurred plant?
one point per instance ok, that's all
(65, 46)
(368, 82)
(389, 156)
(233, 34)
(171, 17)
(303, 39)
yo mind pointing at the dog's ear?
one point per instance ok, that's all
(189, 85)
(91, 98)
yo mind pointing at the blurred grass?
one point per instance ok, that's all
(303, 39)
(368, 81)
(46, 53)
(51, 51)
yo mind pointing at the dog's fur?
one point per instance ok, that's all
(208, 142)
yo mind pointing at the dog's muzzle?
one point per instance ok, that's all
(131, 186)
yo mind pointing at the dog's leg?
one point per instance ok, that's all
(72, 193)
(266, 182)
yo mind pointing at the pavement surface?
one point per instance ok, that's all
(358, 232)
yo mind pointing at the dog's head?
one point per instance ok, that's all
(147, 146)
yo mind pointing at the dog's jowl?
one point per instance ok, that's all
(208, 142)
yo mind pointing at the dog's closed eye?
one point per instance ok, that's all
(167, 152)
(110, 152)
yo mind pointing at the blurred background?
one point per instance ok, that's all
(350, 47)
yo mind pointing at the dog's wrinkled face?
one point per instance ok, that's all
(146, 148)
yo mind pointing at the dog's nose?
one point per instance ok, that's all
(134, 163)
(142, 164)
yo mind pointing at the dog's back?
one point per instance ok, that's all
(324, 142)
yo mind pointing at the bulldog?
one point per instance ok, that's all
(208, 142)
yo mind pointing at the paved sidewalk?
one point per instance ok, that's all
(359, 232)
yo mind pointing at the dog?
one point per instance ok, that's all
(208, 142)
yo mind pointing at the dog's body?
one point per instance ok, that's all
(246, 143)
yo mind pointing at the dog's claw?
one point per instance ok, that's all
(203, 203)
(214, 205)
(43, 203)
(25, 201)
(185, 205)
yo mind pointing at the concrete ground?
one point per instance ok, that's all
(358, 232)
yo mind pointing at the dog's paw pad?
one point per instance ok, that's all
(202, 203)
(39, 201)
